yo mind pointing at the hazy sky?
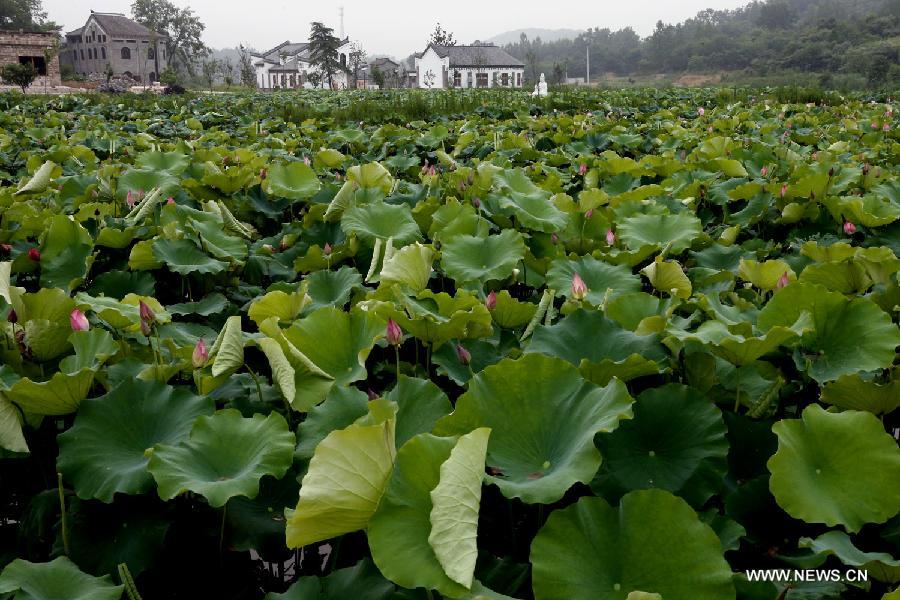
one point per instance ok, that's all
(399, 27)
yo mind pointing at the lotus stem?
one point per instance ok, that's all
(397, 354)
(64, 520)
(128, 581)
(256, 381)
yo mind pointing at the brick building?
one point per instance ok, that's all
(113, 39)
(31, 47)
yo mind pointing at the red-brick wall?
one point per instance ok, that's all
(14, 44)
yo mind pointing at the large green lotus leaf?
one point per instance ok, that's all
(336, 343)
(183, 257)
(470, 259)
(92, 348)
(40, 181)
(852, 392)
(846, 277)
(173, 162)
(631, 310)
(653, 542)
(679, 230)
(869, 210)
(294, 181)
(420, 404)
(543, 416)
(59, 579)
(455, 503)
(212, 237)
(105, 451)
(849, 335)
(599, 347)
(409, 267)
(531, 205)
(381, 221)
(359, 582)
(676, 442)
(46, 322)
(212, 304)
(398, 532)
(258, 523)
(145, 180)
(278, 304)
(331, 288)
(346, 478)
(880, 565)
(454, 218)
(11, 437)
(342, 408)
(225, 456)
(437, 318)
(765, 275)
(740, 350)
(509, 313)
(60, 395)
(65, 253)
(604, 281)
(668, 276)
(836, 468)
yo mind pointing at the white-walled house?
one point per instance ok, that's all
(287, 66)
(479, 65)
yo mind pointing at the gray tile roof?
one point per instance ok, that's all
(477, 56)
(115, 24)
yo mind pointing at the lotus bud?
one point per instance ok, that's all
(463, 355)
(146, 312)
(874, 125)
(579, 287)
(554, 239)
(589, 214)
(582, 169)
(145, 328)
(394, 333)
(306, 160)
(701, 111)
(13, 316)
(170, 201)
(372, 394)
(7, 248)
(129, 199)
(200, 354)
(326, 250)
(34, 254)
(831, 172)
(783, 281)
(78, 321)
(763, 172)
(849, 228)
(263, 173)
(491, 301)
(610, 237)
(476, 203)
(886, 127)
(784, 189)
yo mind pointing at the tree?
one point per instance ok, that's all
(19, 74)
(441, 37)
(378, 77)
(210, 68)
(23, 14)
(182, 27)
(323, 51)
(355, 60)
(226, 68)
(247, 73)
(531, 58)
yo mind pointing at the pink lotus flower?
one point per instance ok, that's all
(579, 287)
(129, 199)
(326, 250)
(146, 312)
(582, 169)
(491, 301)
(783, 281)
(701, 111)
(78, 321)
(874, 125)
(34, 254)
(610, 237)
(463, 355)
(394, 333)
(145, 328)
(200, 354)
(170, 201)
(6, 248)
(306, 160)
(886, 127)
(849, 228)
(589, 214)
(763, 172)
(263, 173)
(784, 189)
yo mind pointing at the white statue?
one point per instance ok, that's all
(540, 88)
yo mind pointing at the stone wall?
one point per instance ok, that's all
(14, 44)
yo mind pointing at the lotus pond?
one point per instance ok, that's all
(610, 345)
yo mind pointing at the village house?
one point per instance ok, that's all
(35, 48)
(390, 71)
(479, 65)
(287, 65)
(113, 41)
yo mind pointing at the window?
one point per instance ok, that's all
(151, 53)
(343, 60)
(38, 62)
(518, 80)
(103, 52)
(505, 79)
(82, 54)
(457, 79)
(126, 53)
(481, 80)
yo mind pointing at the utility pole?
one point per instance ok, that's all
(342, 22)
(587, 52)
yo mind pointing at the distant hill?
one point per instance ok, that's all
(546, 35)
